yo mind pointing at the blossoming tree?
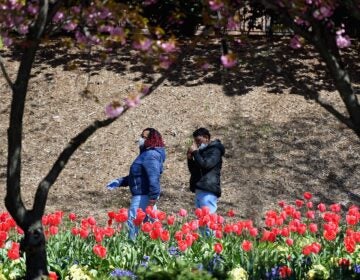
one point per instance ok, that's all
(26, 24)
(321, 23)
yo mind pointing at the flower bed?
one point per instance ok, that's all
(300, 241)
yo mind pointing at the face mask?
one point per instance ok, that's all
(202, 146)
(141, 142)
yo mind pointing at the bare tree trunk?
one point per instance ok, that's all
(33, 243)
(326, 46)
(329, 52)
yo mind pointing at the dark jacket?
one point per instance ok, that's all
(145, 173)
(205, 168)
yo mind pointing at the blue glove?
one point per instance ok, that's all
(114, 184)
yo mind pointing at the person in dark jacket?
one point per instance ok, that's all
(144, 175)
(204, 160)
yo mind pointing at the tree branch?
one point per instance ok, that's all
(45, 185)
(7, 78)
(62, 160)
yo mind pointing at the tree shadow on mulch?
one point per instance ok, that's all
(269, 162)
(271, 64)
(262, 62)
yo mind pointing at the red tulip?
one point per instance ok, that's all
(313, 228)
(253, 231)
(99, 250)
(310, 215)
(335, 207)
(289, 241)
(72, 216)
(3, 236)
(321, 207)
(350, 244)
(344, 262)
(307, 195)
(146, 227)
(91, 221)
(182, 213)
(231, 213)
(161, 215)
(329, 235)
(84, 233)
(182, 245)
(53, 230)
(218, 248)
(198, 212)
(52, 275)
(14, 251)
(299, 203)
(246, 245)
(165, 235)
(218, 234)
(171, 220)
(285, 271)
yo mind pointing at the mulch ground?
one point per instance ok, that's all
(271, 112)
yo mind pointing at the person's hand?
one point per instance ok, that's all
(189, 154)
(193, 147)
(114, 184)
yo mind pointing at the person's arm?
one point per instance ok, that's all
(212, 158)
(152, 167)
(190, 159)
(119, 182)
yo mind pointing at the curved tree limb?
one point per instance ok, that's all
(45, 185)
(328, 50)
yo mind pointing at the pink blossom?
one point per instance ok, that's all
(295, 42)
(105, 28)
(169, 46)
(76, 9)
(70, 26)
(119, 34)
(228, 60)
(299, 21)
(342, 41)
(149, 2)
(165, 62)
(132, 101)
(142, 44)
(113, 109)
(323, 12)
(215, 5)
(80, 38)
(105, 14)
(32, 9)
(232, 24)
(7, 41)
(144, 89)
(23, 29)
(326, 11)
(59, 16)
